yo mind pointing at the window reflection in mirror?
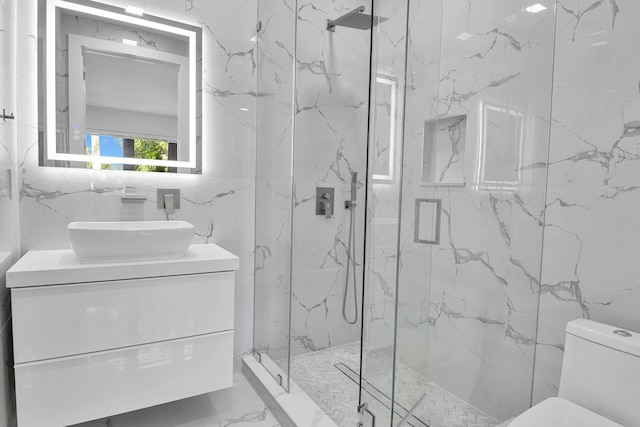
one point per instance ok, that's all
(139, 148)
(119, 92)
(501, 148)
(384, 143)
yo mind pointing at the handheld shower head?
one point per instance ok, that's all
(354, 186)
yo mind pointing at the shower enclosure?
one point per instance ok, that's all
(442, 109)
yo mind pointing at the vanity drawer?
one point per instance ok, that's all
(75, 389)
(65, 320)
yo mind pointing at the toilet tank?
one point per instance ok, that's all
(601, 370)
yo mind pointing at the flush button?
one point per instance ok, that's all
(622, 333)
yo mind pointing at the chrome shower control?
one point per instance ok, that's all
(325, 201)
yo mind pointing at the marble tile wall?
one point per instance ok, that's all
(324, 143)
(219, 202)
(483, 319)
(329, 144)
(8, 199)
(590, 266)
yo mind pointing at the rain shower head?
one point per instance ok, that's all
(355, 19)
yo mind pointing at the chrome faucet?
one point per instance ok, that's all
(169, 206)
(168, 199)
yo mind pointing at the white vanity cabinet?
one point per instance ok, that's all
(98, 339)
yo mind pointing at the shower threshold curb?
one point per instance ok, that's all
(293, 409)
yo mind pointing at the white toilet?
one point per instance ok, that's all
(600, 382)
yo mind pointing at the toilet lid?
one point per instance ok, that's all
(556, 412)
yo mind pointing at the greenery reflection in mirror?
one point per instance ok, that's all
(139, 148)
(116, 91)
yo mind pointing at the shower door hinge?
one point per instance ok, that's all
(367, 418)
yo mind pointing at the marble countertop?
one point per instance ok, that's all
(55, 267)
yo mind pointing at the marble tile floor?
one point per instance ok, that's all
(238, 406)
(336, 394)
(317, 374)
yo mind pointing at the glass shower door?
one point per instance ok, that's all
(420, 230)
(398, 254)
(454, 236)
(274, 193)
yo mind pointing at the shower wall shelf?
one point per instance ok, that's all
(443, 151)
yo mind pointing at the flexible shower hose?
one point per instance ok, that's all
(351, 260)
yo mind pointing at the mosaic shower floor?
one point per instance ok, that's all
(329, 378)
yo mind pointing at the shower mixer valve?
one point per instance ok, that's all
(325, 201)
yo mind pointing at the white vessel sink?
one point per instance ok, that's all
(130, 240)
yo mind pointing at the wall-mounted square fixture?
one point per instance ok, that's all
(428, 214)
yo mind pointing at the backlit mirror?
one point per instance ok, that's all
(119, 89)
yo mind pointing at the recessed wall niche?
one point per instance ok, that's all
(444, 150)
